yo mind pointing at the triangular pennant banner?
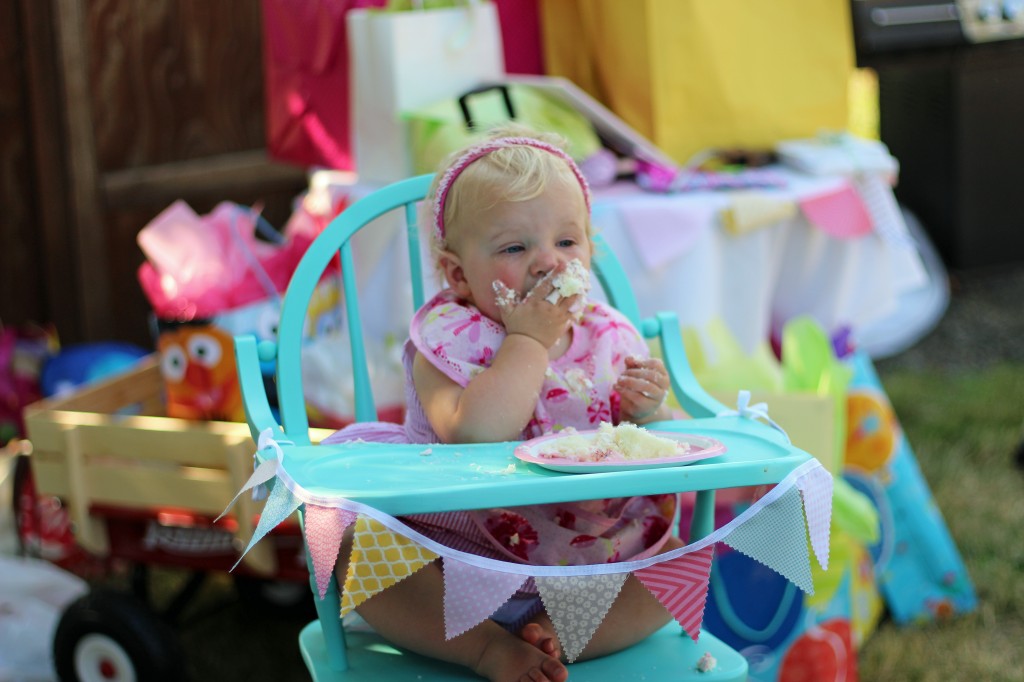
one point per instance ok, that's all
(324, 527)
(471, 594)
(840, 214)
(816, 490)
(577, 604)
(280, 505)
(263, 473)
(662, 231)
(379, 559)
(777, 537)
(886, 214)
(681, 585)
(751, 210)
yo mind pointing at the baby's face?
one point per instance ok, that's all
(519, 242)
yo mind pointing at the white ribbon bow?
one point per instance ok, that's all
(266, 440)
(757, 411)
(263, 472)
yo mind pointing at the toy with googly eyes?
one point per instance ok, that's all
(198, 365)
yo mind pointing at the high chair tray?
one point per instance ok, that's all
(414, 478)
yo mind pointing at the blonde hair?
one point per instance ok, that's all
(506, 174)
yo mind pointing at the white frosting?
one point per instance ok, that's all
(572, 281)
(622, 442)
(505, 296)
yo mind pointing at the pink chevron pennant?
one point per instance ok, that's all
(324, 527)
(816, 490)
(577, 604)
(777, 537)
(471, 594)
(681, 585)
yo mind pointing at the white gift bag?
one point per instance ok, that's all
(410, 59)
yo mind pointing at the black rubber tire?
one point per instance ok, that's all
(117, 631)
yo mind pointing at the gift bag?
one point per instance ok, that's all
(208, 278)
(520, 34)
(437, 130)
(920, 570)
(306, 81)
(403, 60)
(693, 74)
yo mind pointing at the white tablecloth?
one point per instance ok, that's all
(757, 280)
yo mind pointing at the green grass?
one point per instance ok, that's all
(964, 430)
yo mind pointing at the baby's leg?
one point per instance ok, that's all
(634, 615)
(410, 614)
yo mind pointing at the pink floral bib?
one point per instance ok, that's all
(460, 341)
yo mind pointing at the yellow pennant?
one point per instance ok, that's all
(379, 559)
(751, 210)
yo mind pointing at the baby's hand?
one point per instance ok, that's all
(534, 314)
(642, 388)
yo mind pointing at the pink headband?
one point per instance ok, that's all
(481, 150)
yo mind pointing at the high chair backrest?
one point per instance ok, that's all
(336, 240)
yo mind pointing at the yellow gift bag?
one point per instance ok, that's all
(698, 74)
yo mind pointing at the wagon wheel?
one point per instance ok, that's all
(110, 637)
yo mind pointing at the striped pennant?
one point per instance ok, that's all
(681, 585)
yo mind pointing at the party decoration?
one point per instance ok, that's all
(772, 531)
(681, 585)
(816, 492)
(840, 214)
(774, 540)
(324, 528)
(281, 504)
(380, 558)
(663, 232)
(577, 604)
(748, 211)
(472, 594)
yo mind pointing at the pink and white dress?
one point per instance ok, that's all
(461, 342)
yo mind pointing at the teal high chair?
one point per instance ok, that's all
(379, 475)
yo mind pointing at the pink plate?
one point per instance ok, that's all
(701, 447)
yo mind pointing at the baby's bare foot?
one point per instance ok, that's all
(507, 658)
(543, 638)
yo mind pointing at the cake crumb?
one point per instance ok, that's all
(428, 451)
(504, 296)
(706, 663)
